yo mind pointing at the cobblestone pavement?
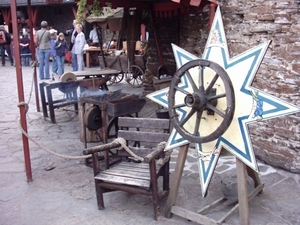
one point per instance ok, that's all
(62, 191)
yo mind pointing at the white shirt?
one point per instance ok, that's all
(93, 36)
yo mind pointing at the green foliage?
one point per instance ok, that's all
(81, 11)
(96, 9)
(108, 4)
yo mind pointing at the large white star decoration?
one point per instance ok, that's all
(251, 104)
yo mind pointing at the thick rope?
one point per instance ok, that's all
(50, 151)
(122, 142)
(119, 140)
(167, 153)
(135, 157)
(26, 105)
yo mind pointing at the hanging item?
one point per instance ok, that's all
(110, 19)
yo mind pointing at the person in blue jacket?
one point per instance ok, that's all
(61, 47)
(53, 34)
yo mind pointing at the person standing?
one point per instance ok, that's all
(61, 48)
(93, 37)
(25, 50)
(78, 47)
(5, 46)
(42, 41)
(72, 41)
(53, 34)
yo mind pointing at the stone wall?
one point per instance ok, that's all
(247, 24)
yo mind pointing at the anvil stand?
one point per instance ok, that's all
(243, 198)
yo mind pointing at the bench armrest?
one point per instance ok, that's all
(153, 155)
(100, 148)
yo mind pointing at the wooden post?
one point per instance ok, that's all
(176, 179)
(242, 192)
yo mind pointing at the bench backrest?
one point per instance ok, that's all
(149, 130)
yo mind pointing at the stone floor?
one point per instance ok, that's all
(62, 191)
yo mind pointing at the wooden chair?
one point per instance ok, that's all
(139, 175)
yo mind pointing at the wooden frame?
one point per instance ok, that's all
(198, 217)
(134, 177)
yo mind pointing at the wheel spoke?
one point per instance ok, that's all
(179, 106)
(191, 80)
(200, 79)
(212, 83)
(197, 124)
(192, 112)
(211, 107)
(216, 97)
(182, 90)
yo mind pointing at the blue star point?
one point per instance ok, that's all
(251, 105)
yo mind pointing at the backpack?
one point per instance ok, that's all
(2, 37)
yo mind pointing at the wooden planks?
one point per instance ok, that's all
(127, 173)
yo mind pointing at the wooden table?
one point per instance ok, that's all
(96, 73)
(88, 51)
(91, 79)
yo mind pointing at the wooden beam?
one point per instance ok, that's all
(176, 179)
(74, 11)
(6, 16)
(242, 192)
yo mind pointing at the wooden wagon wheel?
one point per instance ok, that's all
(135, 76)
(119, 77)
(111, 80)
(115, 79)
(192, 93)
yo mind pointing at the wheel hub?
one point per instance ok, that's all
(197, 100)
(205, 114)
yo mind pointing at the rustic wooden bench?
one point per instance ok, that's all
(139, 176)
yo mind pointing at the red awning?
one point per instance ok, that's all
(195, 2)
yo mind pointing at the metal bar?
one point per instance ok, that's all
(13, 8)
(32, 49)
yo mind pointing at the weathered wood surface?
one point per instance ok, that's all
(135, 177)
(127, 173)
(148, 111)
(143, 136)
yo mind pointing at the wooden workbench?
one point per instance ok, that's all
(89, 51)
(92, 79)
